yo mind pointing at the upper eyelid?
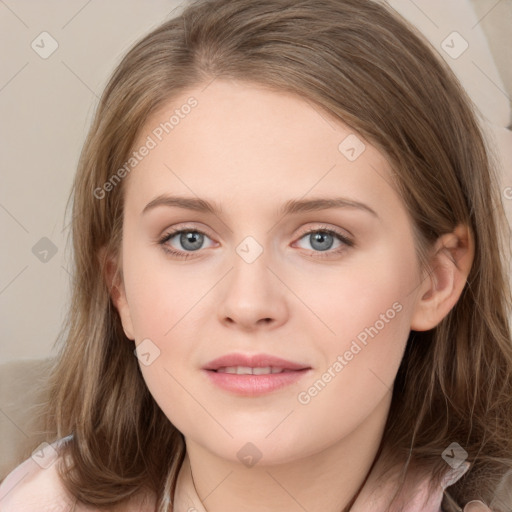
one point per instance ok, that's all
(321, 227)
(324, 227)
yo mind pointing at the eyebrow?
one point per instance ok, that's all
(293, 206)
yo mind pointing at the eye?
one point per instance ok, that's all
(190, 239)
(322, 240)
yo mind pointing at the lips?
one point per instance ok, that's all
(253, 361)
(254, 375)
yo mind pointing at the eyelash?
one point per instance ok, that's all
(318, 254)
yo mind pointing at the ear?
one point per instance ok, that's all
(440, 290)
(113, 278)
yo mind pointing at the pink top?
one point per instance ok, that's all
(34, 485)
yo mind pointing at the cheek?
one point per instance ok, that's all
(365, 300)
(370, 315)
(165, 309)
(367, 310)
(160, 293)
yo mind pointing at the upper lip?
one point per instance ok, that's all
(253, 361)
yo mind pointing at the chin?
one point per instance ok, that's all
(252, 448)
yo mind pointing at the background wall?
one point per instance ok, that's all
(47, 105)
(56, 60)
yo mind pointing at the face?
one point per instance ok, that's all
(271, 269)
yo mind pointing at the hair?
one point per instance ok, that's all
(363, 64)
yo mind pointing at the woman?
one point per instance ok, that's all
(271, 371)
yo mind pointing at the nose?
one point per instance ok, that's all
(253, 296)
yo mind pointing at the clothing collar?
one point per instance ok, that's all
(420, 499)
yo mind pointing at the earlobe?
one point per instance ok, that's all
(442, 286)
(115, 285)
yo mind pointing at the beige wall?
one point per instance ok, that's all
(46, 107)
(47, 103)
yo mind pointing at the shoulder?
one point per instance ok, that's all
(35, 484)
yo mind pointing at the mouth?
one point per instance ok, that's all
(247, 370)
(252, 375)
(255, 364)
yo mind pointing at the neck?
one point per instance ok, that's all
(328, 480)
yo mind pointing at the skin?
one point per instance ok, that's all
(252, 149)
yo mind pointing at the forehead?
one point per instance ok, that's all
(237, 141)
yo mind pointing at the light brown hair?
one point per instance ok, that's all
(363, 64)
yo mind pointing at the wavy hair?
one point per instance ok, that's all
(360, 62)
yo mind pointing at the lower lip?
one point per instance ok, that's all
(251, 385)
